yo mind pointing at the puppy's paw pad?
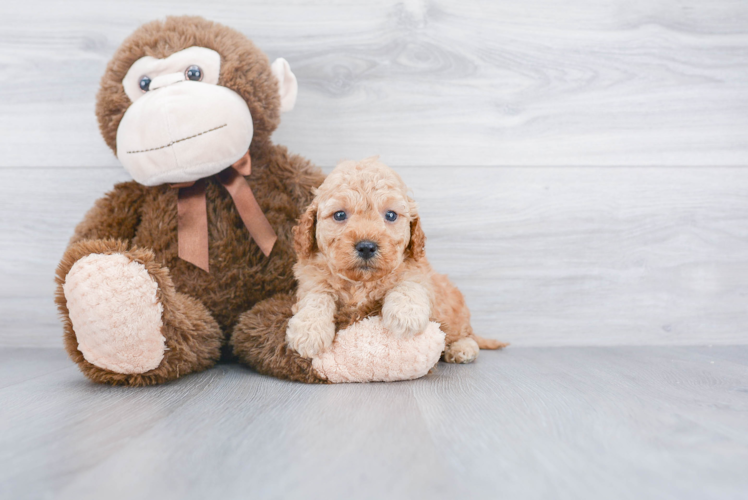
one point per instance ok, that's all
(462, 351)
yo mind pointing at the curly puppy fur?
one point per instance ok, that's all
(338, 283)
(140, 222)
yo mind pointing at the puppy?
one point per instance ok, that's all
(361, 253)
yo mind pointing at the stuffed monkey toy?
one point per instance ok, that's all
(159, 271)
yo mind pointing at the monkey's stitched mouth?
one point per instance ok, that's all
(179, 140)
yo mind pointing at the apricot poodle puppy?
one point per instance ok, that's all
(361, 252)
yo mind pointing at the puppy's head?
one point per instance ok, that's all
(361, 223)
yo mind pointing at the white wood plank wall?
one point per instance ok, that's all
(581, 167)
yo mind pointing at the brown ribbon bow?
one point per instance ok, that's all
(192, 229)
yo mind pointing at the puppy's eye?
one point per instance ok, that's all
(145, 82)
(339, 216)
(390, 216)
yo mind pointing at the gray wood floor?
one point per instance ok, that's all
(540, 422)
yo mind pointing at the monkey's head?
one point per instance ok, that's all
(183, 99)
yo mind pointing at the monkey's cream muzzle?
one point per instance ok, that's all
(179, 128)
(183, 131)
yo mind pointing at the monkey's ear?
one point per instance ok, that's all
(304, 239)
(287, 84)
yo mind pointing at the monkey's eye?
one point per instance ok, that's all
(339, 216)
(145, 82)
(194, 73)
(390, 216)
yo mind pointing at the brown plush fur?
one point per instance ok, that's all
(141, 222)
(193, 338)
(244, 69)
(259, 340)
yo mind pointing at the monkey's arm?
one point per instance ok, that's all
(364, 352)
(115, 216)
(299, 175)
(309, 179)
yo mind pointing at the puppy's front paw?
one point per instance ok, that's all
(405, 317)
(308, 335)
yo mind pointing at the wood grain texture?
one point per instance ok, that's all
(582, 423)
(483, 82)
(545, 256)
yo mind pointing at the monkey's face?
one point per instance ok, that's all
(181, 119)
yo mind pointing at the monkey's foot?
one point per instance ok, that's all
(116, 313)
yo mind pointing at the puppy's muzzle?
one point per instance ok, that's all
(366, 249)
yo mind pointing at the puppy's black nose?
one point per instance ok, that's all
(366, 249)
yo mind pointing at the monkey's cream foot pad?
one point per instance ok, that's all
(367, 352)
(116, 314)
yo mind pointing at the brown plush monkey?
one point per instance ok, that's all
(163, 269)
(181, 101)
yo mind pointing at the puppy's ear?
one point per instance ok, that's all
(417, 246)
(304, 239)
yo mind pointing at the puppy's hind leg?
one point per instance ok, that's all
(466, 349)
(463, 350)
(453, 314)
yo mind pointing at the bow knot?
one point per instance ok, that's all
(192, 213)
